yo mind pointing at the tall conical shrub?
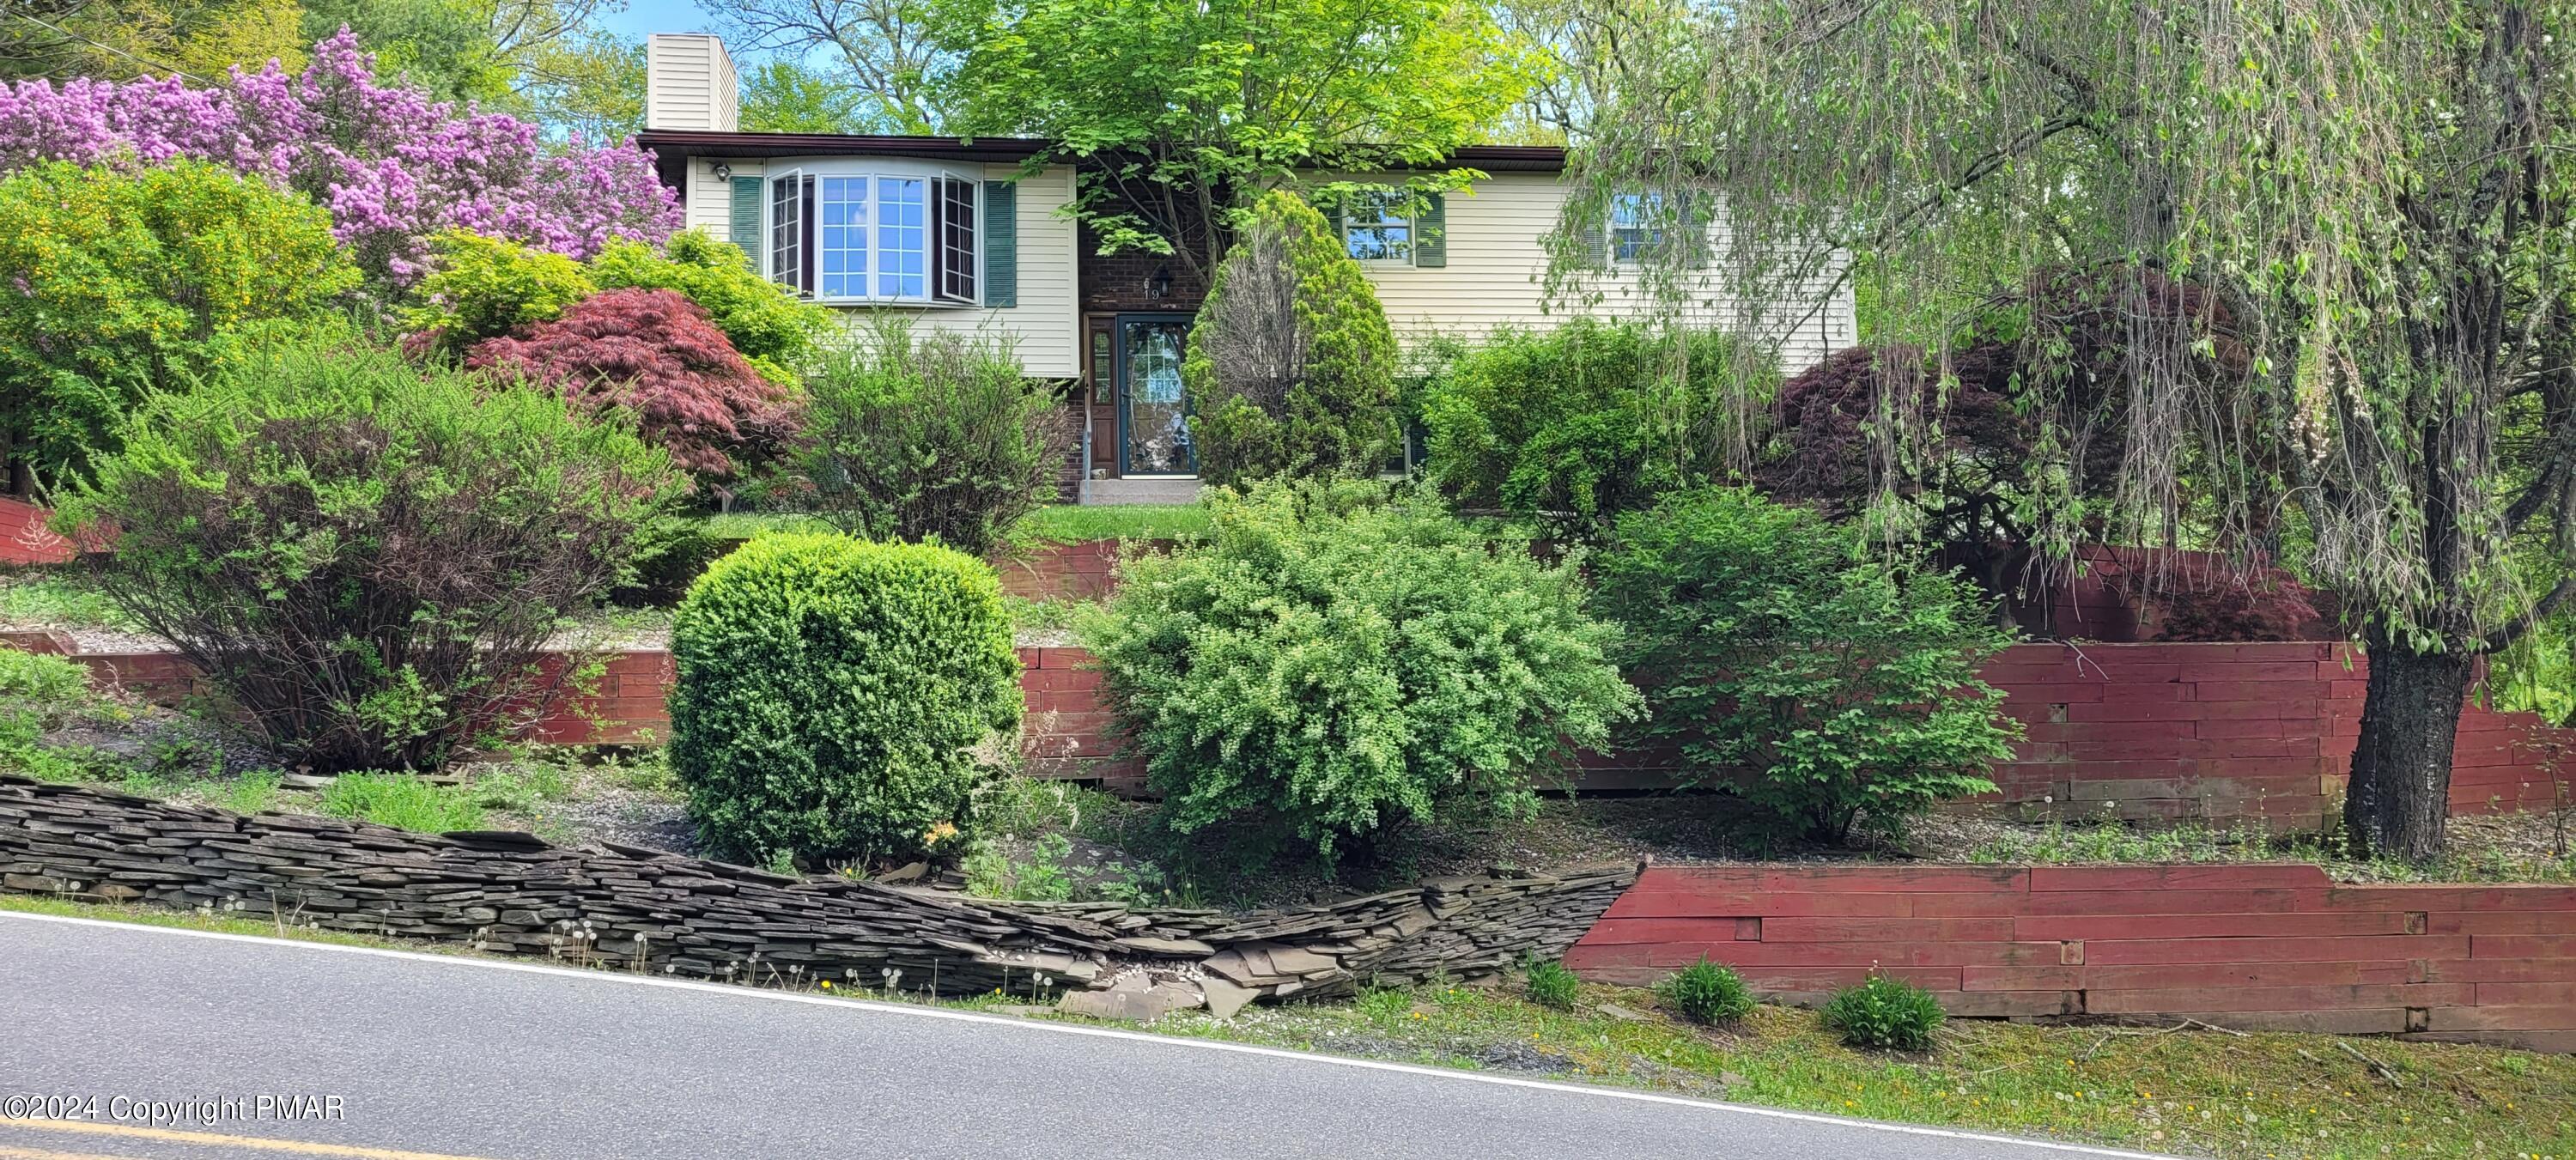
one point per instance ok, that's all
(1291, 368)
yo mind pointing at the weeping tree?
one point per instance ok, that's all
(2375, 192)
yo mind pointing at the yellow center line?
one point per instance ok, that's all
(9, 1153)
(173, 1136)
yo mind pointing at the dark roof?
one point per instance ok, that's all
(673, 148)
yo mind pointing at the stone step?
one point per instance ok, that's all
(1162, 491)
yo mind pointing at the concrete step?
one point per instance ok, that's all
(1164, 491)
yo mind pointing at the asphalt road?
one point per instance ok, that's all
(434, 1057)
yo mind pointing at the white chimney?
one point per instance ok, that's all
(689, 83)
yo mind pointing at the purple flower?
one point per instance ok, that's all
(392, 166)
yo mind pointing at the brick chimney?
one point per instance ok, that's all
(689, 83)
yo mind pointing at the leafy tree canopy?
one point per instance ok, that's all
(2394, 254)
(1193, 110)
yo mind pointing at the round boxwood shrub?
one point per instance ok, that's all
(1885, 1013)
(1705, 992)
(1337, 663)
(831, 694)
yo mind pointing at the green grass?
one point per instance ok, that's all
(1052, 524)
(61, 598)
(2466, 859)
(745, 525)
(199, 920)
(1071, 523)
(2255, 1095)
(403, 801)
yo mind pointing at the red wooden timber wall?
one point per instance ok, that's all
(24, 538)
(2256, 946)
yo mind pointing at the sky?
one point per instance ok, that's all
(643, 17)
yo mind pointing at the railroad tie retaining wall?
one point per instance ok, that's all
(2252, 946)
(511, 893)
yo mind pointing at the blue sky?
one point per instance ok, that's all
(643, 17)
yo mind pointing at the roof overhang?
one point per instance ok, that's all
(674, 148)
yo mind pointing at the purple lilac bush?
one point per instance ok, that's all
(391, 165)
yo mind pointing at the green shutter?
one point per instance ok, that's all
(745, 226)
(1431, 234)
(1001, 244)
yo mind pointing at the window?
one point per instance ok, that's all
(787, 265)
(1636, 225)
(847, 235)
(1376, 229)
(902, 254)
(956, 241)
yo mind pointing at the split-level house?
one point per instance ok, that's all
(969, 236)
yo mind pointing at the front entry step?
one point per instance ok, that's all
(1162, 491)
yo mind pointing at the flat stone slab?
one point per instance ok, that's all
(1133, 1005)
(1174, 947)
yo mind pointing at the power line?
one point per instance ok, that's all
(59, 30)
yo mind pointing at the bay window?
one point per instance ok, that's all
(875, 232)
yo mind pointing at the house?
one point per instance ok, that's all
(962, 235)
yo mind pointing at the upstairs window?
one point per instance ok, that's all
(1375, 228)
(841, 235)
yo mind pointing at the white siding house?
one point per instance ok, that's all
(962, 236)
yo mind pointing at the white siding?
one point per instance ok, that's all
(689, 83)
(1044, 329)
(1497, 268)
(708, 201)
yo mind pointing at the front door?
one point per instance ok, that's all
(1153, 412)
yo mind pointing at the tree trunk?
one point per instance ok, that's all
(2400, 795)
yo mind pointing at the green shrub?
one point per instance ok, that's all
(364, 556)
(1588, 420)
(768, 325)
(1885, 1013)
(830, 691)
(1705, 992)
(929, 437)
(1291, 365)
(1336, 662)
(1548, 983)
(403, 801)
(1829, 686)
(124, 284)
(482, 288)
(29, 677)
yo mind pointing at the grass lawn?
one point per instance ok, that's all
(1052, 524)
(2192, 1092)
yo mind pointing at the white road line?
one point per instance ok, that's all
(925, 1012)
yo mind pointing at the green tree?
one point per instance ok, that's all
(2394, 252)
(1291, 365)
(122, 38)
(888, 52)
(1194, 109)
(588, 85)
(441, 47)
(783, 96)
(131, 284)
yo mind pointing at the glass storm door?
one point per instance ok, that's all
(1153, 414)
